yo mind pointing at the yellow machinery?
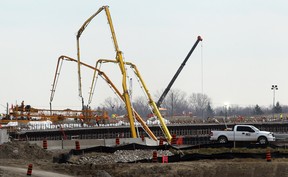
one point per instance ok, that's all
(151, 102)
(25, 114)
(119, 59)
(109, 82)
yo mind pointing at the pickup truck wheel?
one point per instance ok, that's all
(222, 139)
(262, 140)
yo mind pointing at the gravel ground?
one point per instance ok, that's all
(120, 156)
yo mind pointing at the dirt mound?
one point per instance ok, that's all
(23, 150)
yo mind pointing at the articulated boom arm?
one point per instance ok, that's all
(80, 31)
(119, 60)
(162, 97)
(151, 102)
(109, 82)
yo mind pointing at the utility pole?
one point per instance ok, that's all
(274, 88)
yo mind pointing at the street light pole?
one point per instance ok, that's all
(226, 112)
(274, 87)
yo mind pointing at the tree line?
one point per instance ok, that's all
(178, 103)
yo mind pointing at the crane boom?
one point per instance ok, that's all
(162, 97)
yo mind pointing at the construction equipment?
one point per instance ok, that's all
(151, 102)
(119, 60)
(109, 82)
(121, 63)
(162, 97)
(27, 114)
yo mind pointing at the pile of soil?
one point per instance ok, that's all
(23, 150)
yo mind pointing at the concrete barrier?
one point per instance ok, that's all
(4, 137)
(70, 144)
(87, 143)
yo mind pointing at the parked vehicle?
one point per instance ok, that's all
(246, 133)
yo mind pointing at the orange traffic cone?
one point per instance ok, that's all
(45, 145)
(155, 157)
(142, 137)
(174, 140)
(268, 155)
(161, 141)
(117, 141)
(77, 145)
(29, 171)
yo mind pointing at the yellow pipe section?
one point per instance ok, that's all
(119, 59)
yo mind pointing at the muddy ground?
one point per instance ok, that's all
(20, 154)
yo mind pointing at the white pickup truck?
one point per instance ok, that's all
(246, 133)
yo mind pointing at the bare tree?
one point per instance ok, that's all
(176, 102)
(198, 102)
(114, 106)
(140, 104)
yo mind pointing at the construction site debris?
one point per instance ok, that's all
(120, 156)
(23, 150)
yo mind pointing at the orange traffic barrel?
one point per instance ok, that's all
(161, 141)
(45, 145)
(77, 144)
(174, 140)
(268, 155)
(142, 137)
(117, 141)
(29, 171)
(180, 140)
(155, 157)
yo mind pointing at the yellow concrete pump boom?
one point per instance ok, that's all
(119, 60)
(80, 31)
(109, 82)
(151, 102)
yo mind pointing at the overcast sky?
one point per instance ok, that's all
(244, 49)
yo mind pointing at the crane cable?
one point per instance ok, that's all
(202, 83)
